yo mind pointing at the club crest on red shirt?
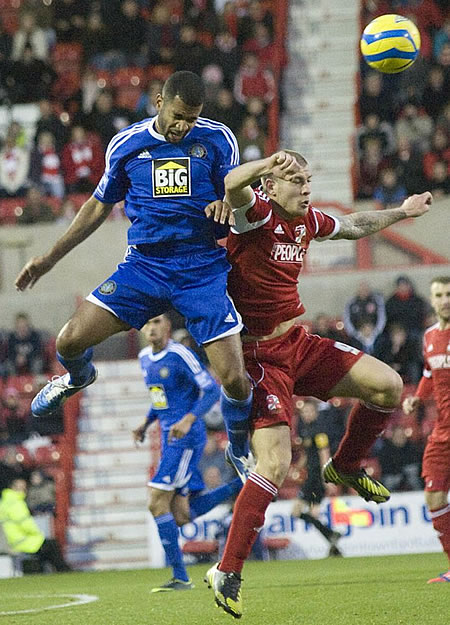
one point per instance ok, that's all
(273, 403)
(300, 233)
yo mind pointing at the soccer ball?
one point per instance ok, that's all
(390, 43)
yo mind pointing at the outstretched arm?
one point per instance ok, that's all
(90, 216)
(358, 225)
(238, 180)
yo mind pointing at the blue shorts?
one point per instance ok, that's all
(195, 285)
(178, 470)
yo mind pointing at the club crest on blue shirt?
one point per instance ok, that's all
(108, 287)
(198, 151)
(171, 177)
(164, 372)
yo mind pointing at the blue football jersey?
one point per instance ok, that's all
(178, 384)
(167, 186)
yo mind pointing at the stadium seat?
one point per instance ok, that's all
(200, 546)
(127, 97)
(24, 457)
(372, 467)
(47, 455)
(159, 72)
(66, 56)
(222, 439)
(9, 210)
(10, 12)
(24, 384)
(67, 84)
(202, 550)
(104, 78)
(129, 77)
(274, 545)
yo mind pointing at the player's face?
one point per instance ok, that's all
(175, 118)
(157, 332)
(293, 197)
(440, 300)
(308, 412)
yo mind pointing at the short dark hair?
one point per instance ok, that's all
(187, 86)
(440, 280)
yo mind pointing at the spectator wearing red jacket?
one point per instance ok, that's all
(82, 161)
(252, 80)
(440, 151)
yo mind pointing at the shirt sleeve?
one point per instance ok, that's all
(252, 215)
(425, 388)
(325, 226)
(114, 183)
(208, 387)
(227, 157)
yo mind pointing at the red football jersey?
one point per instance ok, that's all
(266, 253)
(436, 354)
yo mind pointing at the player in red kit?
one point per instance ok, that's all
(273, 229)
(436, 381)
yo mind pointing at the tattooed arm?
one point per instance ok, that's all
(358, 225)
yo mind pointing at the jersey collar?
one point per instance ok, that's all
(156, 135)
(154, 356)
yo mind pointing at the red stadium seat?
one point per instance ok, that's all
(9, 210)
(373, 467)
(275, 544)
(67, 51)
(10, 12)
(129, 77)
(67, 84)
(127, 97)
(200, 546)
(47, 455)
(222, 439)
(24, 457)
(159, 72)
(24, 384)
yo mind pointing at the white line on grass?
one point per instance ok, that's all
(79, 600)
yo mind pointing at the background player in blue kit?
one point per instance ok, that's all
(167, 169)
(182, 392)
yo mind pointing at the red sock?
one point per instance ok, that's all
(441, 523)
(248, 519)
(365, 423)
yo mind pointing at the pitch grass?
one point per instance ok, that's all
(388, 590)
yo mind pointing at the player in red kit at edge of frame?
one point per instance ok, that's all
(436, 381)
(272, 231)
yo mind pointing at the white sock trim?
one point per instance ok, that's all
(261, 481)
(434, 514)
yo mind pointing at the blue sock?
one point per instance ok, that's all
(207, 501)
(235, 414)
(80, 368)
(168, 533)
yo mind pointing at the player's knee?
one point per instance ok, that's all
(236, 383)
(274, 467)
(155, 508)
(68, 341)
(181, 517)
(393, 388)
(436, 500)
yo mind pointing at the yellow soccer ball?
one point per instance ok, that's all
(390, 43)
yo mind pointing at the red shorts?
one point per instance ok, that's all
(296, 363)
(436, 466)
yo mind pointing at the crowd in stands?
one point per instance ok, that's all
(90, 69)
(403, 141)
